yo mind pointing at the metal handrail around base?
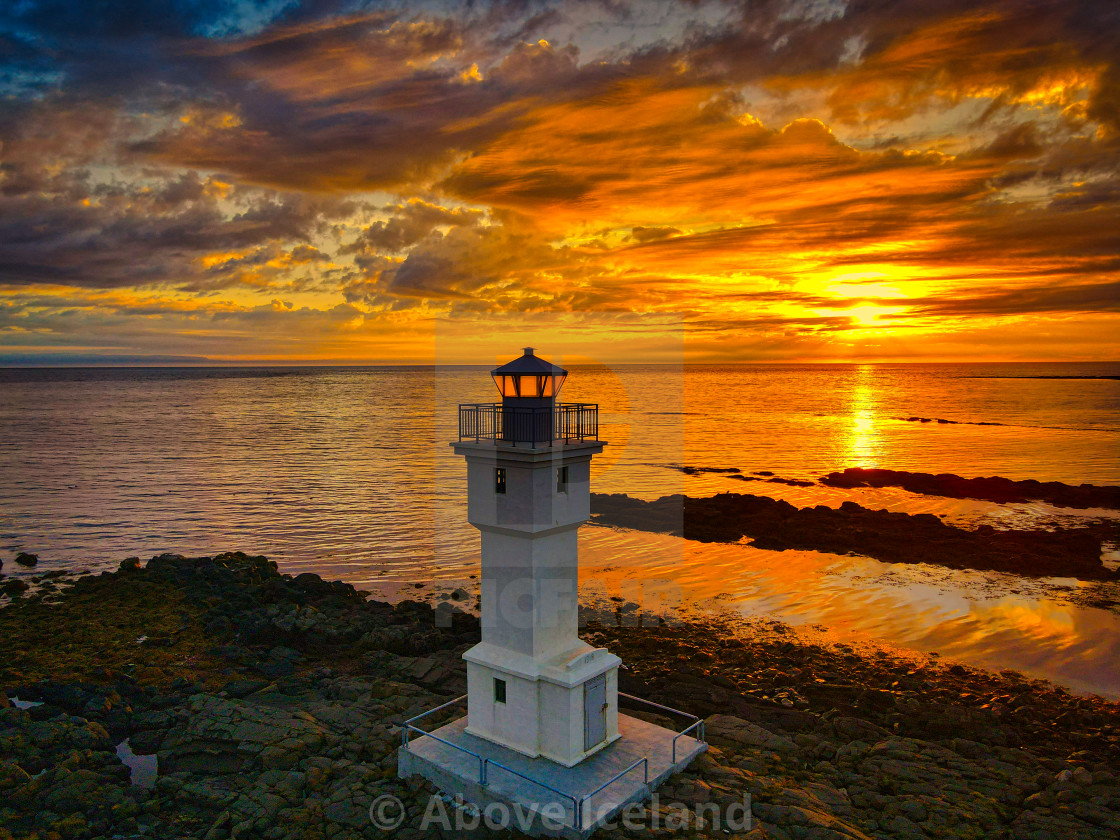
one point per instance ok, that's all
(577, 805)
(645, 780)
(576, 819)
(483, 762)
(408, 726)
(696, 721)
(683, 733)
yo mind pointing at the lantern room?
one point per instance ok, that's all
(529, 378)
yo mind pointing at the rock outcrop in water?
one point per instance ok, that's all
(993, 489)
(852, 529)
(273, 704)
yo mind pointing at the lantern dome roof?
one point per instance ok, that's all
(529, 364)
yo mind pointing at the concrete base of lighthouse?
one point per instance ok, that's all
(563, 709)
(541, 797)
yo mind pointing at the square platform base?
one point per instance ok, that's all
(457, 773)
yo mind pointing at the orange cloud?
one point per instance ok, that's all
(787, 183)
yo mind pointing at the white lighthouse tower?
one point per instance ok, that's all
(533, 684)
(543, 731)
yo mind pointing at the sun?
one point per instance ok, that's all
(866, 314)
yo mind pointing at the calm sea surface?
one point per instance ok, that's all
(346, 472)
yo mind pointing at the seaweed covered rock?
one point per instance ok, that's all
(993, 488)
(892, 537)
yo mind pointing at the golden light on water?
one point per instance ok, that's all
(863, 439)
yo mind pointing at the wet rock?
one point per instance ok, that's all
(45, 711)
(993, 489)
(855, 729)
(804, 822)
(736, 732)
(285, 654)
(14, 588)
(892, 537)
(129, 564)
(687, 470)
(243, 688)
(25, 559)
(903, 827)
(12, 775)
(444, 671)
(1083, 777)
(231, 736)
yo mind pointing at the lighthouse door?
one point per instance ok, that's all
(594, 711)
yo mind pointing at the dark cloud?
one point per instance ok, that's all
(652, 234)
(72, 231)
(1080, 297)
(463, 262)
(362, 102)
(1018, 142)
(408, 224)
(741, 158)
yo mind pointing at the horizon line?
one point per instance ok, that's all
(208, 364)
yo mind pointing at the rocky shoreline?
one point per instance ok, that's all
(272, 704)
(991, 489)
(994, 488)
(892, 537)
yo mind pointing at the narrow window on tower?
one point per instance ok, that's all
(499, 480)
(499, 690)
(561, 479)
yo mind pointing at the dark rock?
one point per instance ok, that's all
(854, 729)
(146, 742)
(892, 537)
(444, 671)
(275, 670)
(14, 588)
(243, 688)
(285, 654)
(25, 559)
(992, 489)
(727, 730)
(129, 564)
(45, 711)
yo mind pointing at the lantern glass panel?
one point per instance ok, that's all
(529, 385)
(550, 385)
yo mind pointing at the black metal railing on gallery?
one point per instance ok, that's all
(533, 426)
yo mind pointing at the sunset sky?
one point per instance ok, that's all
(378, 183)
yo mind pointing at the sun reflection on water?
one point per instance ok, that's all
(864, 440)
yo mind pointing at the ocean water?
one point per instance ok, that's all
(347, 472)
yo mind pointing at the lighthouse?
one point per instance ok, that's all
(543, 734)
(532, 684)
